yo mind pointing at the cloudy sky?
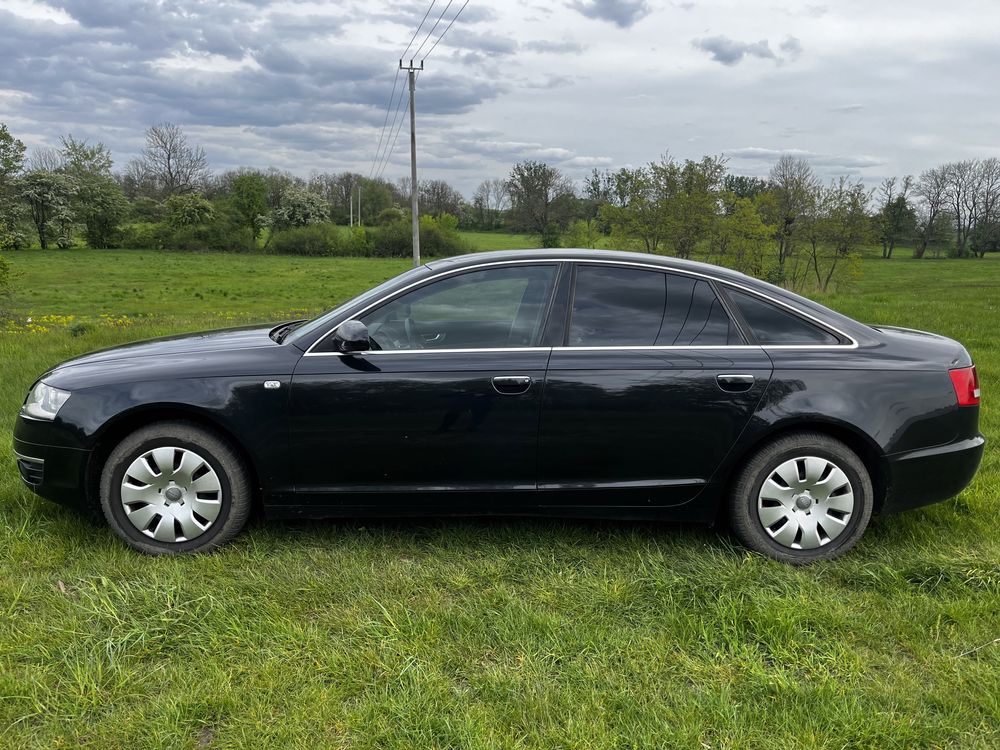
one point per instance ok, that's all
(862, 87)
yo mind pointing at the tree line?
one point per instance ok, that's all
(790, 227)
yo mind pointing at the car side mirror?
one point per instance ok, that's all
(352, 336)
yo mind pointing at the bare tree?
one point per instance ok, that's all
(932, 190)
(794, 186)
(963, 199)
(895, 217)
(45, 159)
(170, 162)
(987, 204)
(490, 200)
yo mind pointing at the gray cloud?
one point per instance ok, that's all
(844, 161)
(728, 51)
(623, 13)
(791, 47)
(557, 48)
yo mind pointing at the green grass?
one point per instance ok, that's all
(492, 634)
(499, 240)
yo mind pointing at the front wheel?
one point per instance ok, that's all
(802, 498)
(175, 487)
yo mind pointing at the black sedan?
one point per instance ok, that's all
(571, 382)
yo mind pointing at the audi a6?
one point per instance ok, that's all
(569, 383)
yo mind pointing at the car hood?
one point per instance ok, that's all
(229, 339)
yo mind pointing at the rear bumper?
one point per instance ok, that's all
(931, 475)
(54, 472)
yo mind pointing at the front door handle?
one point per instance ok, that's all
(511, 385)
(735, 383)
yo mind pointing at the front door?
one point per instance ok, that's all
(446, 403)
(651, 391)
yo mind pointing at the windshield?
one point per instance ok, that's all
(327, 318)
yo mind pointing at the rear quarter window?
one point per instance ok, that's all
(774, 325)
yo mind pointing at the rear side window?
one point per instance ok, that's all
(695, 316)
(632, 307)
(616, 307)
(773, 325)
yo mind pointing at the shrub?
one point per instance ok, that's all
(144, 235)
(188, 210)
(439, 237)
(323, 239)
(312, 239)
(218, 235)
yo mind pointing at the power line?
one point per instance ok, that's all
(395, 81)
(431, 32)
(391, 144)
(381, 134)
(444, 32)
(429, 9)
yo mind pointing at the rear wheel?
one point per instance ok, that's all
(805, 497)
(175, 487)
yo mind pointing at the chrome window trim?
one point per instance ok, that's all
(662, 269)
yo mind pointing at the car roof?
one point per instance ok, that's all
(839, 321)
(580, 254)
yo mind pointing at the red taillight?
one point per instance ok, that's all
(966, 382)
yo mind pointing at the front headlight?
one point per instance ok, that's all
(44, 402)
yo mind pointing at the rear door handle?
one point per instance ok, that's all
(511, 385)
(735, 383)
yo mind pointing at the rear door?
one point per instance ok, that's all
(652, 387)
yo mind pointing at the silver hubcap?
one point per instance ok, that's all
(171, 494)
(805, 503)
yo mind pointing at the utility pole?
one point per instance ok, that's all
(360, 223)
(413, 160)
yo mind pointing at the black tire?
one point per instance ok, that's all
(743, 501)
(231, 470)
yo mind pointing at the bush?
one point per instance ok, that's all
(323, 239)
(439, 237)
(144, 235)
(215, 236)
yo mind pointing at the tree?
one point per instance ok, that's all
(983, 235)
(188, 211)
(11, 156)
(895, 218)
(11, 164)
(170, 163)
(932, 190)
(844, 228)
(489, 202)
(742, 239)
(691, 209)
(438, 197)
(541, 200)
(299, 207)
(48, 196)
(635, 213)
(583, 233)
(248, 193)
(742, 186)
(793, 188)
(962, 194)
(98, 200)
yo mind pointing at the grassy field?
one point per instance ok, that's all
(492, 634)
(499, 240)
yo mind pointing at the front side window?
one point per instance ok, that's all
(494, 308)
(615, 306)
(772, 325)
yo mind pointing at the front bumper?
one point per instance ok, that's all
(931, 475)
(54, 472)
